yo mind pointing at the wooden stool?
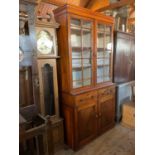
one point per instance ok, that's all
(128, 114)
(32, 132)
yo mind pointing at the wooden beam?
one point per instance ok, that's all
(97, 4)
(56, 2)
(119, 4)
(89, 2)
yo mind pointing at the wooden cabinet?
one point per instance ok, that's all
(124, 57)
(88, 115)
(85, 70)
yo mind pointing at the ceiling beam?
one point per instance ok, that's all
(119, 4)
(97, 4)
(56, 2)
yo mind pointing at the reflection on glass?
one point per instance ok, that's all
(76, 63)
(108, 42)
(87, 73)
(100, 40)
(77, 84)
(100, 61)
(101, 27)
(75, 38)
(86, 38)
(77, 74)
(76, 54)
(75, 22)
(81, 52)
(100, 79)
(88, 82)
(102, 54)
(108, 29)
(99, 71)
(86, 62)
(86, 24)
(47, 72)
(87, 53)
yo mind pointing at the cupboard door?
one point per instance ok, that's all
(104, 49)
(81, 47)
(106, 114)
(87, 122)
(124, 68)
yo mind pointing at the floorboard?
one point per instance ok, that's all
(117, 141)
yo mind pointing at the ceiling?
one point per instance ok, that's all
(95, 5)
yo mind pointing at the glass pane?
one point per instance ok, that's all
(106, 79)
(47, 72)
(106, 70)
(86, 24)
(86, 62)
(88, 82)
(108, 42)
(75, 37)
(86, 38)
(86, 73)
(77, 74)
(100, 61)
(86, 53)
(76, 63)
(100, 40)
(77, 84)
(108, 29)
(75, 22)
(101, 27)
(99, 71)
(76, 54)
(106, 62)
(99, 79)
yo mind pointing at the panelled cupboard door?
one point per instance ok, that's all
(81, 47)
(124, 57)
(106, 114)
(86, 122)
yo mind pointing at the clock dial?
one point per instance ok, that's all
(45, 42)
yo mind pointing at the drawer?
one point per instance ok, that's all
(108, 92)
(85, 97)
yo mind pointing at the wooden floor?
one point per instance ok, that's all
(117, 141)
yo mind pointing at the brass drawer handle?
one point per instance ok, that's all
(96, 116)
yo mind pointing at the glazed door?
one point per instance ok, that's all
(106, 114)
(104, 50)
(87, 122)
(81, 50)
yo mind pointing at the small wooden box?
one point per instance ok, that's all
(128, 114)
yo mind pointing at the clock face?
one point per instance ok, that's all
(45, 42)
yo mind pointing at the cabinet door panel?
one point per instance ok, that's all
(87, 122)
(124, 58)
(104, 50)
(81, 31)
(107, 113)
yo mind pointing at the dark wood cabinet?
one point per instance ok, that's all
(124, 57)
(85, 69)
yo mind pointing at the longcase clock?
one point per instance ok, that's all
(47, 71)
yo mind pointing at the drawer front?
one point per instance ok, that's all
(106, 93)
(83, 98)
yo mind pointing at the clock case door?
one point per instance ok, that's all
(50, 29)
(48, 87)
